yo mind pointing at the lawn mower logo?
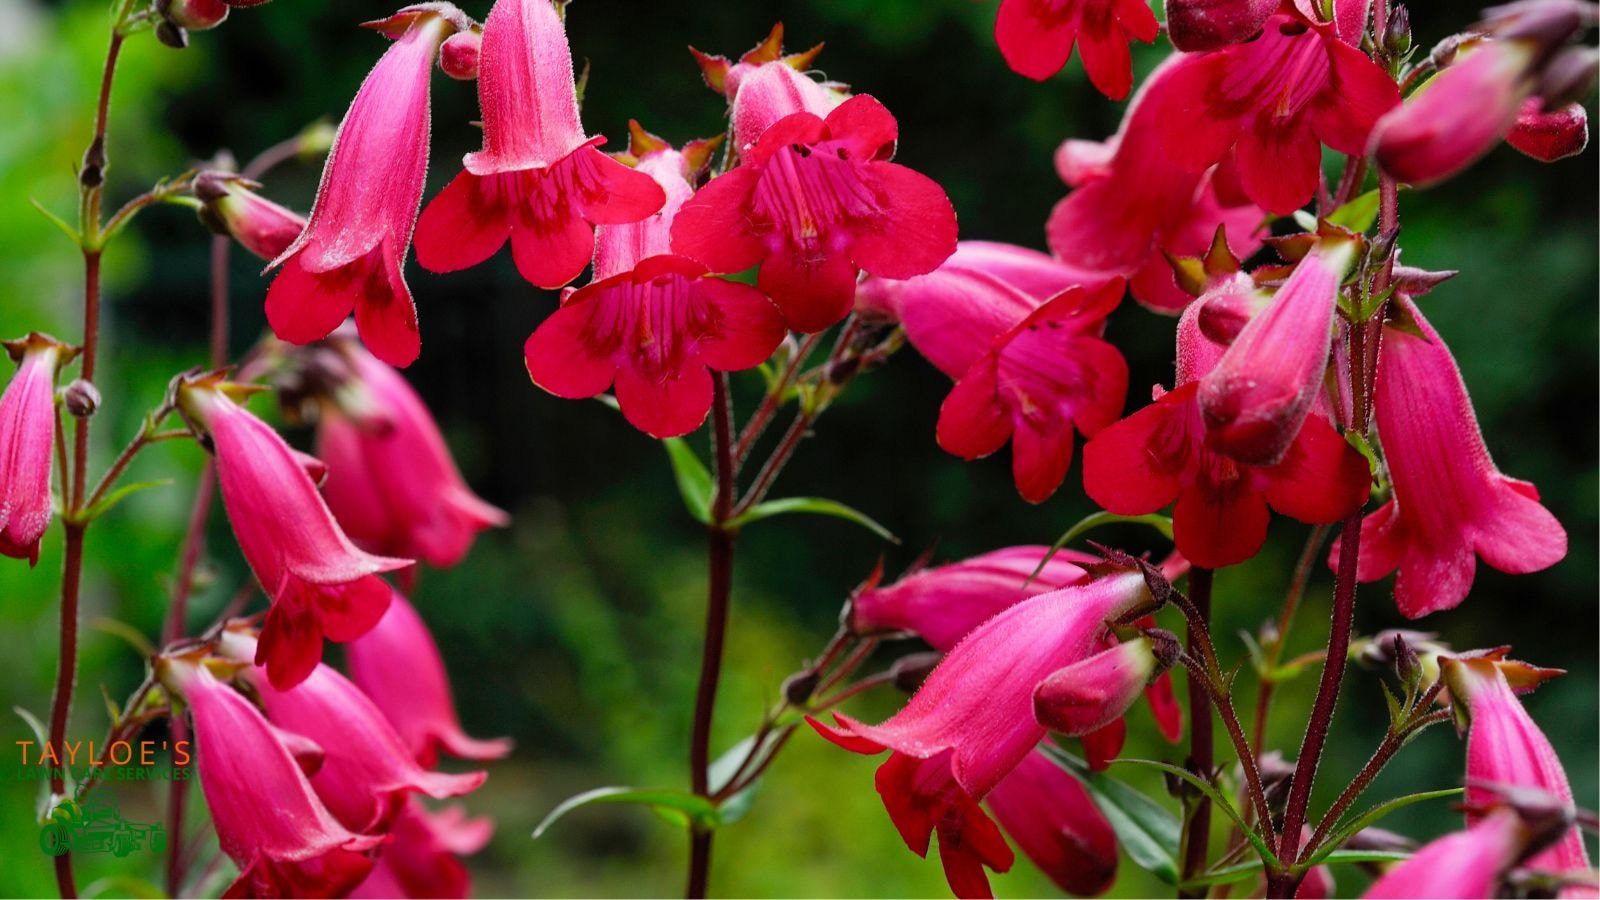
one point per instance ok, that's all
(97, 828)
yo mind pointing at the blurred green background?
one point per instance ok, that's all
(577, 630)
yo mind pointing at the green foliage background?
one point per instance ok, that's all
(577, 630)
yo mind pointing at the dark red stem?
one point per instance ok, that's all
(1202, 758)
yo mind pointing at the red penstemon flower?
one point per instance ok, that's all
(1036, 37)
(420, 859)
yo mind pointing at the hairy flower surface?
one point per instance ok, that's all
(27, 438)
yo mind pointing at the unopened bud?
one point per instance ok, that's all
(93, 172)
(843, 370)
(1407, 665)
(193, 15)
(1092, 693)
(315, 140)
(230, 207)
(798, 688)
(1224, 315)
(909, 672)
(81, 398)
(1397, 33)
(1569, 76)
(458, 55)
(1276, 775)
(1549, 23)
(174, 36)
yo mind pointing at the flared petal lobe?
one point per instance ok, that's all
(1550, 135)
(1465, 864)
(1036, 38)
(420, 859)
(1055, 823)
(27, 439)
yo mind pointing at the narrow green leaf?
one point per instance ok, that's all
(694, 481)
(123, 886)
(679, 805)
(1361, 856)
(1353, 825)
(1157, 521)
(68, 230)
(819, 506)
(1359, 214)
(724, 767)
(1147, 831)
(1217, 798)
(1225, 875)
(120, 494)
(129, 634)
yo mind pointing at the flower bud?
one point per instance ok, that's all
(1088, 695)
(1569, 77)
(193, 15)
(458, 55)
(909, 672)
(1212, 24)
(232, 208)
(173, 36)
(1224, 314)
(1550, 24)
(1397, 33)
(82, 398)
(798, 688)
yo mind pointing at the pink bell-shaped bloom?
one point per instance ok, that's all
(268, 819)
(421, 858)
(1159, 455)
(1450, 502)
(320, 584)
(1260, 393)
(391, 481)
(1271, 104)
(1036, 38)
(1550, 135)
(923, 799)
(367, 772)
(1132, 208)
(1458, 115)
(352, 252)
(398, 666)
(812, 202)
(1089, 694)
(1464, 864)
(652, 323)
(1055, 823)
(27, 439)
(1506, 748)
(1047, 375)
(942, 604)
(537, 181)
(258, 224)
(1197, 25)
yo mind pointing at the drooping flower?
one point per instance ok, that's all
(1055, 823)
(1270, 105)
(1132, 208)
(391, 481)
(1505, 747)
(1264, 387)
(268, 819)
(812, 202)
(320, 584)
(27, 438)
(1045, 377)
(1159, 455)
(1450, 502)
(421, 858)
(1550, 134)
(258, 224)
(538, 181)
(398, 666)
(367, 773)
(352, 253)
(1463, 864)
(1198, 25)
(1036, 37)
(653, 323)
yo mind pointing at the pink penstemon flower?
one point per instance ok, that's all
(652, 323)
(1056, 824)
(352, 252)
(320, 584)
(27, 438)
(1549, 135)
(421, 857)
(538, 181)
(1449, 501)
(398, 666)
(1037, 36)
(232, 207)
(813, 201)
(429, 514)
(1464, 864)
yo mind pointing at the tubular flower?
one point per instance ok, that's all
(397, 665)
(653, 323)
(1091, 693)
(1465, 864)
(813, 201)
(1271, 104)
(1043, 377)
(366, 773)
(1505, 747)
(268, 819)
(420, 859)
(1055, 823)
(1450, 502)
(391, 480)
(321, 585)
(352, 252)
(766, 85)
(1263, 389)
(971, 724)
(1197, 25)
(1159, 455)
(27, 437)
(1550, 135)
(1036, 38)
(1131, 208)
(232, 208)
(537, 181)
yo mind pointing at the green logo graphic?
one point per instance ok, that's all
(97, 828)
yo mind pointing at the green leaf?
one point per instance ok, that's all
(123, 886)
(68, 230)
(1360, 856)
(1147, 831)
(1157, 521)
(120, 494)
(1225, 875)
(1353, 825)
(819, 506)
(1217, 798)
(679, 806)
(724, 767)
(694, 481)
(1359, 214)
